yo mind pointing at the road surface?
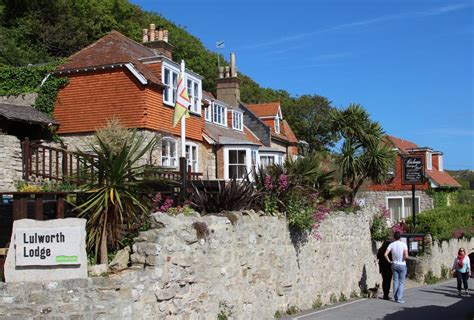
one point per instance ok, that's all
(435, 302)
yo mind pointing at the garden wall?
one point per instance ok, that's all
(251, 269)
(10, 162)
(442, 256)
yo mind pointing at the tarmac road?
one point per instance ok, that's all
(435, 302)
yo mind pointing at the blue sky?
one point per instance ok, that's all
(408, 62)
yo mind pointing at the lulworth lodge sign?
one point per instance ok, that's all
(47, 246)
(47, 250)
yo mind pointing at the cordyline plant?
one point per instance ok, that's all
(114, 199)
(231, 196)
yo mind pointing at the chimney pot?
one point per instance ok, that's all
(221, 72)
(227, 72)
(152, 32)
(160, 33)
(145, 35)
(233, 68)
(165, 35)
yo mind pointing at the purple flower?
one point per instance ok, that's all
(283, 182)
(268, 183)
(156, 202)
(166, 205)
(385, 211)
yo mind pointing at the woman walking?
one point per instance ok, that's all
(462, 266)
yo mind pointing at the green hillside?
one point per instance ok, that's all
(43, 31)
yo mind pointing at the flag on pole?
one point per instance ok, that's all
(220, 44)
(182, 101)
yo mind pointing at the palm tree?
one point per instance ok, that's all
(364, 155)
(115, 197)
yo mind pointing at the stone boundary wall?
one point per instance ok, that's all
(10, 162)
(250, 269)
(442, 256)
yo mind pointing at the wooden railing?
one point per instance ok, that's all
(57, 164)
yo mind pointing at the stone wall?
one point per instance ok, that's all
(10, 162)
(250, 268)
(442, 254)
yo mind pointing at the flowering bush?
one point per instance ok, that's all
(379, 228)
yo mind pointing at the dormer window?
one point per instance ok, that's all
(277, 124)
(170, 80)
(440, 163)
(208, 113)
(237, 121)
(219, 114)
(194, 95)
(429, 165)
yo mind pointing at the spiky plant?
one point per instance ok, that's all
(115, 198)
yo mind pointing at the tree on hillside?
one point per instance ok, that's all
(308, 116)
(363, 154)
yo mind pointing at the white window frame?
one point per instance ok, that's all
(403, 198)
(429, 161)
(277, 124)
(194, 97)
(194, 163)
(170, 160)
(170, 86)
(248, 160)
(237, 120)
(216, 107)
(208, 112)
(440, 162)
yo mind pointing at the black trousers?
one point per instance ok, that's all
(386, 282)
(462, 277)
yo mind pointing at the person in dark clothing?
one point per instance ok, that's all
(385, 269)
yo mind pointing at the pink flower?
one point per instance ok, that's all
(283, 182)
(268, 183)
(166, 205)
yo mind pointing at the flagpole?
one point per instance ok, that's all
(183, 119)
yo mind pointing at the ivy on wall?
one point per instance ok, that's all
(18, 80)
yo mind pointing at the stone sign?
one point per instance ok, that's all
(47, 246)
(47, 250)
(413, 170)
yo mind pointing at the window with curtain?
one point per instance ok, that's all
(169, 153)
(192, 156)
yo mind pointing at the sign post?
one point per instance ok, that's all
(413, 174)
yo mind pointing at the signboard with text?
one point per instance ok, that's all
(47, 246)
(412, 170)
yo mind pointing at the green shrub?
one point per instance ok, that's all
(342, 298)
(444, 272)
(443, 223)
(277, 314)
(292, 310)
(430, 278)
(354, 294)
(333, 298)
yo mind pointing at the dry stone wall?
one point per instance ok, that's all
(10, 162)
(249, 269)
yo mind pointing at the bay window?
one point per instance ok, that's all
(237, 165)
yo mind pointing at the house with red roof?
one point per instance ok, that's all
(136, 83)
(395, 195)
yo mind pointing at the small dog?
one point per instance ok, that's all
(373, 292)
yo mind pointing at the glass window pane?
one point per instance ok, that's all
(395, 207)
(242, 156)
(232, 156)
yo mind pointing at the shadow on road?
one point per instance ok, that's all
(462, 310)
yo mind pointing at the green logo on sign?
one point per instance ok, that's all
(64, 259)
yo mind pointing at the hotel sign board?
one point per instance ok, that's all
(47, 246)
(412, 170)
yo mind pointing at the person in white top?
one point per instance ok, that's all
(399, 252)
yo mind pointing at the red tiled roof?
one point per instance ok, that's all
(264, 109)
(401, 144)
(288, 132)
(442, 178)
(113, 48)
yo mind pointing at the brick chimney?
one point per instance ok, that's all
(158, 41)
(228, 84)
